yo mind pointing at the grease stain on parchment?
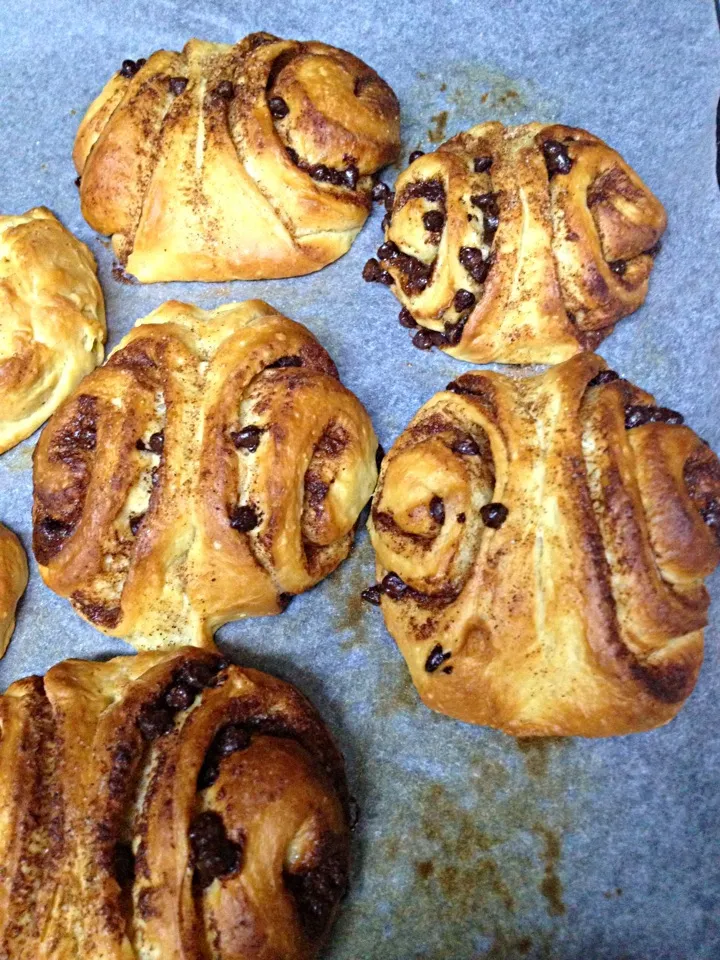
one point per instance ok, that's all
(458, 94)
(468, 866)
(19, 459)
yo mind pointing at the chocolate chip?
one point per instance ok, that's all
(156, 442)
(388, 250)
(436, 658)
(379, 455)
(618, 266)
(154, 476)
(393, 586)
(155, 722)
(406, 319)
(637, 415)
(178, 85)
(213, 853)
(285, 599)
(179, 696)
(463, 300)
(372, 595)
(482, 164)
(243, 518)
(434, 221)
(318, 890)
(124, 864)
(605, 376)
(129, 68)
(198, 674)
(487, 202)
(374, 273)
(461, 518)
(352, 175)
(437, 510)
(472, 259)
(494, 515)
(135, 523)
(231, 739)
(390, 202)
(371, 270)
(247, 439)
(557, 158)
(78, 181)
(711, 515)
(141, 62)
(453, 333)
(466, 446)
(386, 220)
(654, 250)
(422, 340)
(415, 155)
(278, 108)
(447, 669)
(293, 156)
(283, 362)
(54, 532)
(319, 172)
(380, 192)
(225, 90)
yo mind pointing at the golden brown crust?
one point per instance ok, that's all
(201, 181)
(13, 580)
(549, 251)
(167, 802)
(576, 607)
(52, 320)
(214, 467)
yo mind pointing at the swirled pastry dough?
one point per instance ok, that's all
(13, 580)
(212, 468)
(518, 244)
(541, 547)
(235, 162)
(52, 320)
(167, 805)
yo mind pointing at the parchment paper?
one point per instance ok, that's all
(471, 844)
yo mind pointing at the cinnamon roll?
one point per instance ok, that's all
(13, 580)
(213, 468)
(518, 244)
(541, 546)
(238, 162)
(52, 320)
(167, 805)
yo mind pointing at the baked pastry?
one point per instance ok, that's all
(541, 547)
(518, 244)
(13, 580)
(235, 162)
(212, 468)
(167, 805)
(52, 320)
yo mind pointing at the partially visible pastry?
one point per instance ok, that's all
(13, 580)
(52, 320)
(213, 468)
(518, 244)
(238, 162)
(541, 547)
(167, 805)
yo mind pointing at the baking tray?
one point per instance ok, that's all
(471, 843)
